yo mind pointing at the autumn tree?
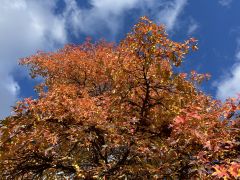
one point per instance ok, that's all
(107, 111)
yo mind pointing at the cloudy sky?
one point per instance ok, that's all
(27, 26)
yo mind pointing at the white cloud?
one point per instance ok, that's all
(104, 14)
(225, 2)
(8, 93)
(238, 55)
(170, 13)
(27, 26)
(229, 86)
(193, 26)
(108, 14)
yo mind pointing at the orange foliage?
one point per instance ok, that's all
(107, 111)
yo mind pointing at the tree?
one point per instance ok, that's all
(107, 111)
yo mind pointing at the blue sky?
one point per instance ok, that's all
(30, 25)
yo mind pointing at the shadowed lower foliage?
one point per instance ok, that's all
(107, 111)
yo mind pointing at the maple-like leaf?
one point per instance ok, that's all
(220, 172)
(234, 170)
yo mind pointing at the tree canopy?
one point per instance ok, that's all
(126, 111)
